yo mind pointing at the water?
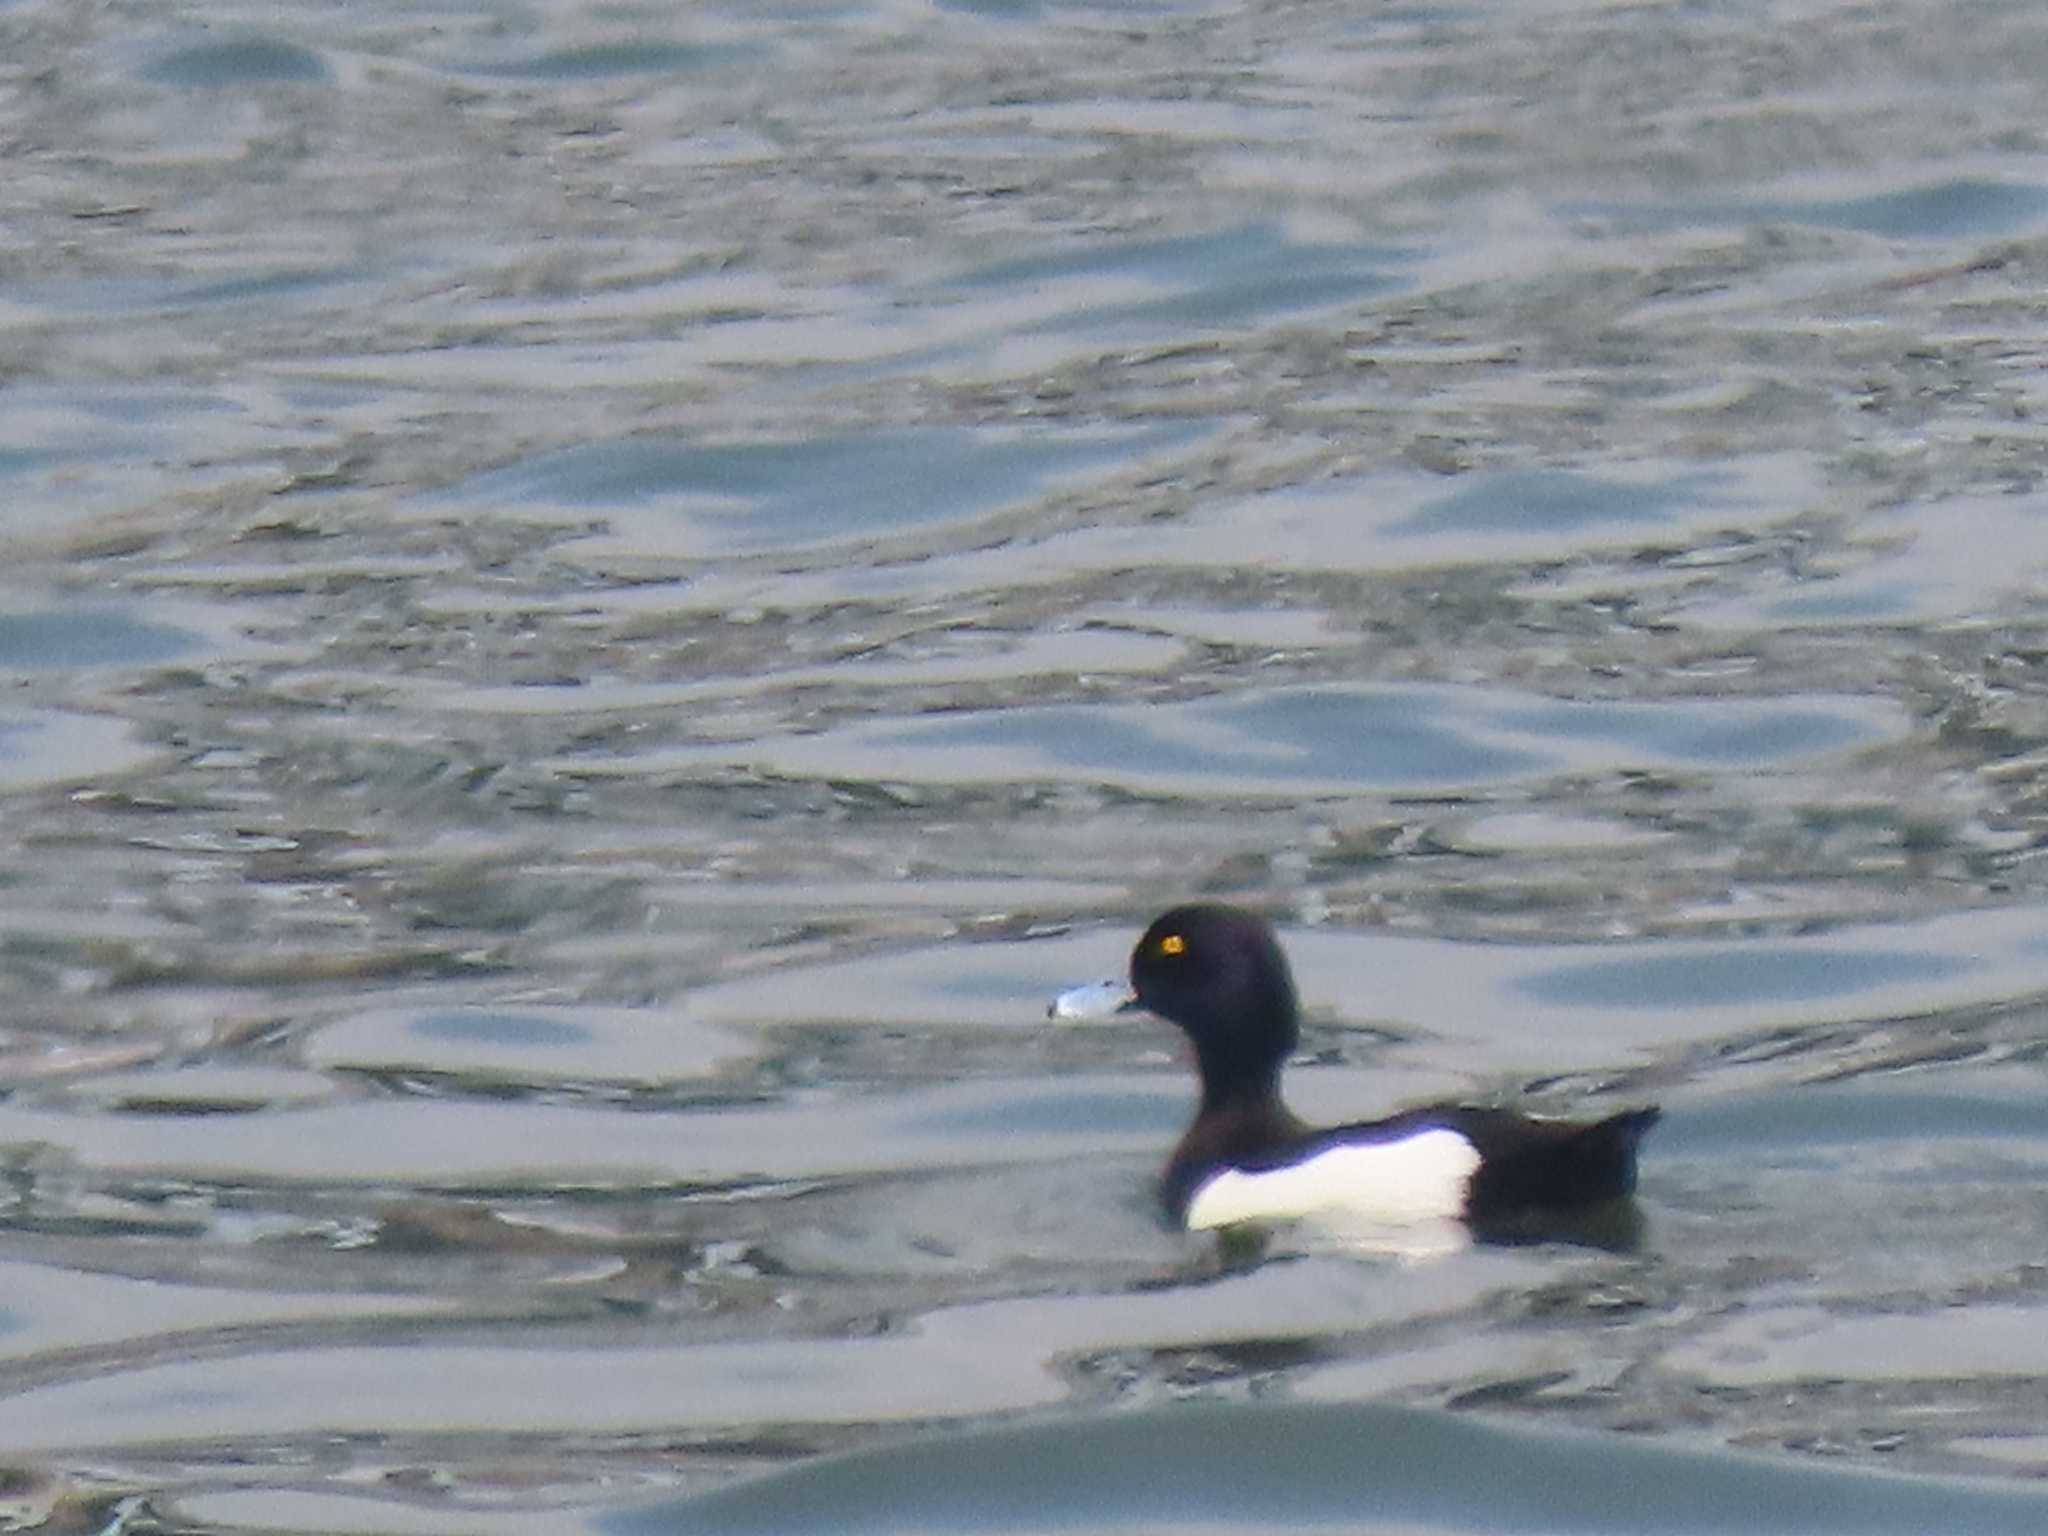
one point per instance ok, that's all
(603, 603)
(1352, 1468)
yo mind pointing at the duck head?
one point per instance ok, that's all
(1219, 974)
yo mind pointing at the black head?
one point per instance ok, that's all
(1218, 972)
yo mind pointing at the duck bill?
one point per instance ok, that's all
(1096, 1000)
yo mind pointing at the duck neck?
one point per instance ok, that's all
(1231, 1085)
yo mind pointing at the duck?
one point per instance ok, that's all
(1219, 974)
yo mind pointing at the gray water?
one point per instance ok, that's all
(602, 602)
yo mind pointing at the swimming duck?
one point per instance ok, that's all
(1218, 972)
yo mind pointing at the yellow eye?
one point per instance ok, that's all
(1172, 944)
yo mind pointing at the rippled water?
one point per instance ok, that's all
(603, 602)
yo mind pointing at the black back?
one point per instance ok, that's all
(1530, 1164)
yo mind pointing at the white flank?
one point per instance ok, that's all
(1419, 1178)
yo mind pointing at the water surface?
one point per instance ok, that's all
(602, 604)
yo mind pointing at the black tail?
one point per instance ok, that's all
(1555, 1164)
(1610, 1144)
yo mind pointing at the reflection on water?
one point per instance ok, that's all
(1850, 1118)
(1944, 210)
(1756, 974)
(55, 747)
(1272, 1468)
(602, 604)
(1393, 520)
(1549, 502)
(1920, 564)
(235, 63)
(1310, 741)
(598, 61)
(1170, 288)
(85, 637)
(528, 1045)
(763, 495)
